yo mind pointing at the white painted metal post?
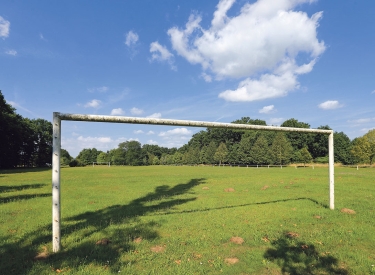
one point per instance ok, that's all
(56, 214)
(331, 172)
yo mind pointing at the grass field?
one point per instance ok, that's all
(189, 220)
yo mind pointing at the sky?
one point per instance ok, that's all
(192, 60)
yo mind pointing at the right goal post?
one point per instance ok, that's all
(56, 151)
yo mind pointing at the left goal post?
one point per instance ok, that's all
(56, 151)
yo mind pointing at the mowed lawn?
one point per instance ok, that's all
(189, 220)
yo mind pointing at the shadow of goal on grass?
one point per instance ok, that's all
(297, 257)
(119, 224)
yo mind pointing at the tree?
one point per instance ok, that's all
(297, 140)
(102, 157)
(210, 152)
(43, 141)
(342, 148)
(65, 158)
(281, 149)
(221, 153)
(132, 150)
(305, 156)
(259, 152)
(88, 156)
(361, 150)
(14, 131)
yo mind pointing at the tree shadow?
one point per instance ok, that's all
(120, 224)
(24, 170)
(23, 197)
(12, 188)
(297, 257)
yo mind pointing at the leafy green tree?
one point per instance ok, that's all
(132, 150)
(233, 153)
(102, 157)
(43, 141)
(318, 146)
(342, 148)
(221, 153)
(259, 152)
(210, 152)
(155, 161)
(117, 156)
(297, 140)
(361, 150)
(281, 149)
(245, 145)
(305, 156)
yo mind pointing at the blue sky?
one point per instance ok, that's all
(192, 60)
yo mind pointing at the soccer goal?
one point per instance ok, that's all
(101, 163)
(58, 117)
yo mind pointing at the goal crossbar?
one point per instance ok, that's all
(56, 151)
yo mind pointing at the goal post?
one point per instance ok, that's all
(56, 151)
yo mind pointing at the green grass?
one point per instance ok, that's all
(167, 207)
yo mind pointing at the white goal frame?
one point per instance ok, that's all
(58, 117)
(99, 162)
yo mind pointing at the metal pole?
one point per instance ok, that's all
(56, 213)
(331, 172)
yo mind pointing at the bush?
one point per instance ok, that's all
(76, 163)
(321, 160)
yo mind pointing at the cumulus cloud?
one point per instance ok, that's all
(11, 52)
(161, 54)
(176, 132)
(95, 103)
(95, 139)
(4, 27)
(261, 44)
(131, 38)
(117, 112)
(153, 142)
(330, 105)
(150, 133)
(138, 132)
(206, 77)
(136, 111)
(267, 109)
(155, 115)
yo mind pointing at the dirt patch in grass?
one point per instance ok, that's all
(229, 190)
(231, 261)
(237, 240)
(205, 188)
(104, 241)
(292, 235)
(347, 211)
(137, 240)
(42, 255)
(317, 217)
(157, 249)
(264, 187)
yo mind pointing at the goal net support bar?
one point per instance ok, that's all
(56, 151)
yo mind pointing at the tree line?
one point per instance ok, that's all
(25, 142)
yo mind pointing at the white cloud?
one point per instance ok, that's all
(276, 121)
(95, 139)
(361, 120)
(42, 37)
(11, 52)
(101, 89)
(261, 44)
(131, 38)
(161, 54)
(117, 112)
(138, 132)
(4, 27)
(95, 103)
(155, 115)
(330, 105)
(136, 111)
(150, 133)
(176, 132)
(267, 109)
(206, 77)
(153, 142)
